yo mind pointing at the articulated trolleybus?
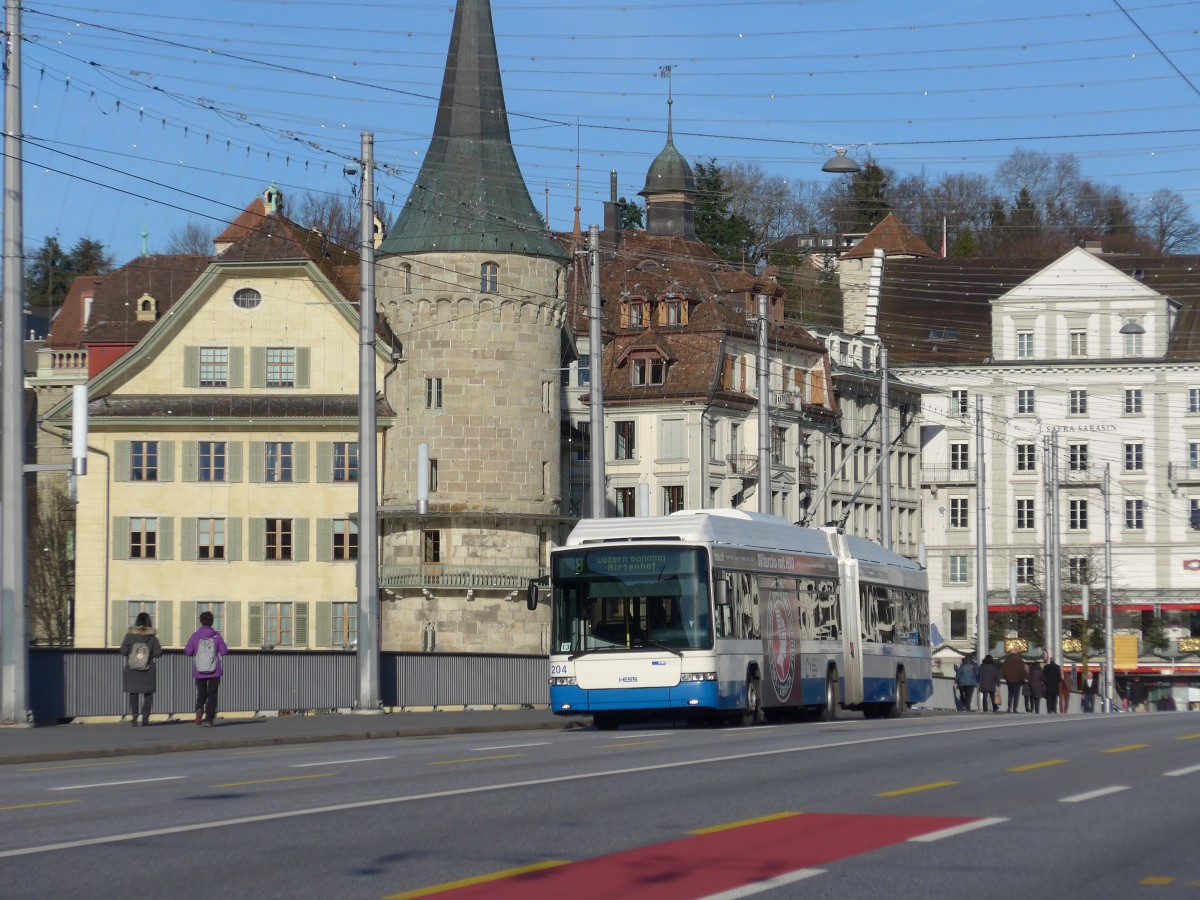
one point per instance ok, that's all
(722, 615)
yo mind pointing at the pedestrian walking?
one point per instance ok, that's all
(206, 647)
(139, 678)
(1037, 686)
(1139, 696)
(1052, 675)
(1091, 689)
(1014, 672)
(989, 684)
(967, 680)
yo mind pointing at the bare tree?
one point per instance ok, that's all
(761, 199)
(51, 568)
(1169, 224)
(194, 237)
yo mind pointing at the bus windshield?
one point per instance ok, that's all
(627, 598)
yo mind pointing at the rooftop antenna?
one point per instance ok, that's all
(665, 72)
(577, 231)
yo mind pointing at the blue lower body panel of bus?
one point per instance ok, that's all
(572, 700)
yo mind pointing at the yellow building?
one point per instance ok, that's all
(223, 450)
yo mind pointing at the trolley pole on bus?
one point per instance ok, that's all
(981, 581)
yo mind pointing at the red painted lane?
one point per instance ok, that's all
(710, 863)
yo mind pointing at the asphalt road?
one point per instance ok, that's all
(973, 805)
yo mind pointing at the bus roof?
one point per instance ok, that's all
(709, 526)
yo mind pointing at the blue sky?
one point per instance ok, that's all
(140, 116)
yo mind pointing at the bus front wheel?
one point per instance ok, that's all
(606, 721)
(900, 706)
(830, 711)
(752, 711)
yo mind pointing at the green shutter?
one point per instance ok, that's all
(300, 463)
(258, 367)
(324, 624)
(258, 542)
(188, 620)
(300, 540)
(233, 539)
(166, 538)
(119, 623)
(325, 462)
(237, 362)
(166, 460)
(303, 365)
(191, 460)
(120, 538)
(254, 637)
(121, 461)
(300, 625)
(191, 367)
(258, 462)
(165, 625)
(233, 461)
(187, 552)
(324, 540)
(233, 623)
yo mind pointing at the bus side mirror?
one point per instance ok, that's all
(531, 597)
(721, 592)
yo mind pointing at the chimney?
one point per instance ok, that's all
(612, 211)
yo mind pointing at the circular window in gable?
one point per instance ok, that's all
(247, 298)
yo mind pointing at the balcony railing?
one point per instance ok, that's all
(743, 464)
(1185, 472)
(947, 475)
(62, 362)
(465, 577)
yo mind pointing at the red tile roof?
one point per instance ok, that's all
(893, 237)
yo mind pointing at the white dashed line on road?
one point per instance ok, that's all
(1092, 795)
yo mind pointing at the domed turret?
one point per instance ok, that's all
(670, 190)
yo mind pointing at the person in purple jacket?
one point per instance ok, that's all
(206, 647)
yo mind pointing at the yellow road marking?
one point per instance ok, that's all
(1158, 880)
(122, 762)
(478, 879)
(1126, 749)
(918, 788)
(1188, 737)
(748, 732)
(627, 744)
(455, 762)
(729, 826)
(269, 750)
(275, 780)
(1038, 765)
(34, 805)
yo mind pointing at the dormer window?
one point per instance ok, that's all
(648, 368)
(489, 278)
(147, 308)
(672, 311)
(635, 313)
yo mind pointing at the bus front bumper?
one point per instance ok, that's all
(573, 700)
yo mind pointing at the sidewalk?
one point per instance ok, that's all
(51, 743)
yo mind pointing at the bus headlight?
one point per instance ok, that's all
(698, 676)
(562, 681)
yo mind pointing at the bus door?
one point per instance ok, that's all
(852, 654)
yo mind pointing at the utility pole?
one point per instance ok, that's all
(596, 377)
(981, 580)
(1056, 543)
(1048, 541)
(1108, 601)
(368, 522)
(764, 411)
(885, 447)
(14, 644)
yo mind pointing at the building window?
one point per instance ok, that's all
(625, 440)
(210, 538)
(960, 509)
(345, 624)
(1025, 514)
(626, 502)
(143, 537)
(735, 438)
(648, 369)
(959, 624)
(1135, 514)
(137, 607)
(1133, 344)
(345, 539)
(1078, 517)
(210, 461)
(1194, 514)
(1194, 400)
(1026, 458)
(277, 624)
(673, 311)
(713, 443)
(1134, 461)
(433, 393)
(637, 314)
(960, 457)
(1079, 343)
(406, 277)
(1194, 455)
(214, 367)
(433, 475)
(583, 443)
(1133, 401)
(1078, 457)
(958, 571)
(217, 608)
(279, 539)
(958, 402)
(1025, 402)
(1079, 402)
(143, 460)
(672, 498)
(489, 277)
(345, 461)
(279, 461)
(281, 367)
(1077, 570)
(778, 445)
(1024, 569)
(431, 546)
(247, 298)
(1025, 345)
(583, 370)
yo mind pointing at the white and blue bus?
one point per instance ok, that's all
(727, 615)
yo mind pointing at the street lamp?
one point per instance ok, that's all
(841, 164)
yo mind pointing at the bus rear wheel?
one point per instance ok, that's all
(900, 706)
(829, 712)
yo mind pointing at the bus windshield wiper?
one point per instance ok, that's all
(645, 643)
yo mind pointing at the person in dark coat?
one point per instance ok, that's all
(967, 679)
(1013, 671)
(989, 684)
(1053, 676)
(140, 683)
(1037, 686)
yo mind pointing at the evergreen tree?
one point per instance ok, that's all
(50, 271)
(728, 234)
(629, 215)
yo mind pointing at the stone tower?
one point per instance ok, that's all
(473, 286)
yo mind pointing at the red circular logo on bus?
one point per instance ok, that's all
(782, 647)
